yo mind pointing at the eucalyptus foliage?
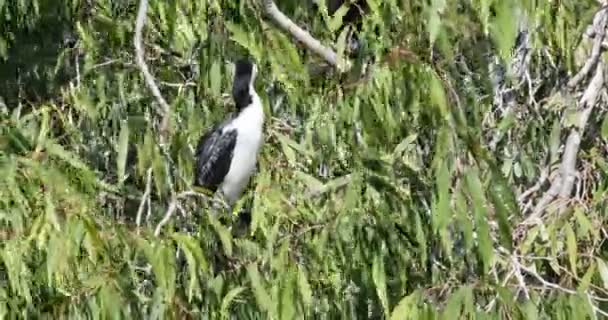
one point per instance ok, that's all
(392, 196)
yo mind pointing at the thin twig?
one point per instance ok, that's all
(141, 63)
(144, 198)
(174, 204)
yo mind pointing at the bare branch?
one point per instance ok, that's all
(599, 25)
(588, 101)
(563, 184)
(301, 35)
(144, 198)
(174, 204)
(141, 63)
(167, 217)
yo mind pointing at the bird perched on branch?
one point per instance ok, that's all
(226, 155)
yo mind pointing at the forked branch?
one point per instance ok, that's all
(141, 63)
(563, 184)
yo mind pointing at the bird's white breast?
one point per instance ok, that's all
(249, 125)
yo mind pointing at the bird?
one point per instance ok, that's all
(226, 155)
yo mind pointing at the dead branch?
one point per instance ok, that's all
(304, 37)
(599, 25)
(217, 204)
(563, 184)
(141, 63)
(144, 199)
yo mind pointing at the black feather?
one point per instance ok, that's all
(213, 157)
(242, 81)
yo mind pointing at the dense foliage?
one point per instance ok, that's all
(416, 191)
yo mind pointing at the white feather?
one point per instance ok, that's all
(249, 125)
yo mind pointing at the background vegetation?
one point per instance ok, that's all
(457, 170)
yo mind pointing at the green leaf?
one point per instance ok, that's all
(504, 28)
(341, 46)
(442, 216)
(379, 278)
(504, 204)
(122, 150)
(438, 97)
(605, 127)
(261, 295)
(571, 247)
(335, 22)
(434, 20)
(603, 270)
(227, 300)
(407, 308)
(224, 234)
(454, 304)
(287, 150)
(586, 280)
(529, 310)
(584, 225)
(215, 79)
(305, 290)
(554, 140)
(484, 241)
(288, 308)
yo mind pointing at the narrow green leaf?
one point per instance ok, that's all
(379, 278)
(554, 140)
(288, 308)
(287, 150)
(529, 310)
(438, 96)
(571, 247)
(454, 305)
(122, 149)
(341, 46)
(305, 290)
(586, 280)
(261, 295)
(335, 22)
(484, 241)
(605, 127)
(407, 308)
(501, 208)
(227, 300)
(224, 234)
(603, 270)
(215, 79)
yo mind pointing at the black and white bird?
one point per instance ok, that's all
(226, 155)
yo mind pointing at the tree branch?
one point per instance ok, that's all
(301, 35)
(599, 25)
(564, 182)
(141, 63)
(145, 198)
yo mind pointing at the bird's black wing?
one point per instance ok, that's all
(213, 156)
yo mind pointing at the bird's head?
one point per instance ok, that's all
(244, 77)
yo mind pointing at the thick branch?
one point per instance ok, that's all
(141, 63)
(588, 101)
(563, 184)
(599, 25)
(301, 35)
